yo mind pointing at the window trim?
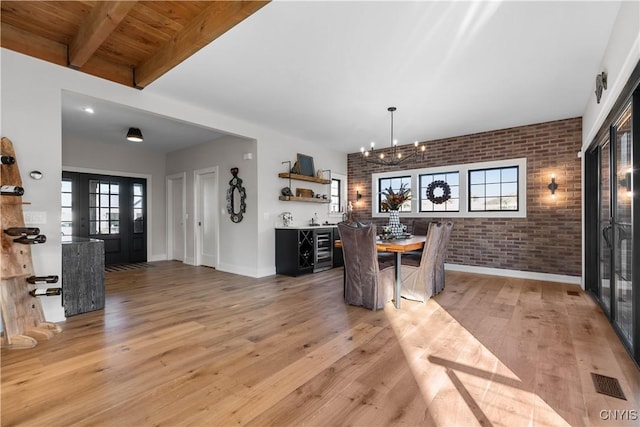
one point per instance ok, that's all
(463, 170)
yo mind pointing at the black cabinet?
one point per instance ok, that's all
(303, 250)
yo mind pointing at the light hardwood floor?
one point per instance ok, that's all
(182, 345)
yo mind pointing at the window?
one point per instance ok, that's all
(67, 204)
(451, 205)
(394, 183)
(337, 196)
(104, 207)
(493, 189)
(138, 208)
(334, 207)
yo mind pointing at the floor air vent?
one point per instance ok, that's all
(607, 385)
(573, 293)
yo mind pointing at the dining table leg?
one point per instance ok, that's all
(398, 284)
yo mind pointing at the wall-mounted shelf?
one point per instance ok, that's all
(303, 199)
(304, 178)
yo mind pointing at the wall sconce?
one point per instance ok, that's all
(553, 186)
(601, 84)
(358, 196)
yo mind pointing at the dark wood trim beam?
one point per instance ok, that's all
(103, 19)
(214, 21)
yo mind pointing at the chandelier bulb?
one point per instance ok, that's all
(372, 144)
(415, 143)
(381, 155)
(395, 142)
(362, 149)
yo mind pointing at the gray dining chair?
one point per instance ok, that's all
(442, 255)
(419, 282)
(364, 283)
(420, 228)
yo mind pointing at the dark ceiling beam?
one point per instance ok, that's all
(210, 24)
(101, 22)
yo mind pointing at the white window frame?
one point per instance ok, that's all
(343, 195)
(463, 170)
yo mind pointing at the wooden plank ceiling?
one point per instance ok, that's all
(128, 42)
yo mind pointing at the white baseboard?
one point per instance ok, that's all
(189, 261)
(237, 269)
(271, 271)
(574, 280)
(157, 257)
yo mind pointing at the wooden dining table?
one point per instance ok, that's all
(398, 247)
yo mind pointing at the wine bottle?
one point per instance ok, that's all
(27, 241)
(7, 160)
(22, 231)
(11, 190)
(45, 292)
(42, 279)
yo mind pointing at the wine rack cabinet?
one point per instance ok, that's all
(22, 315)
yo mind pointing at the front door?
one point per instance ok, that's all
(112, 209)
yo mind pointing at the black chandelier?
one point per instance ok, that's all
(396, 156)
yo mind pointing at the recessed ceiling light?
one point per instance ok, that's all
(88, 110)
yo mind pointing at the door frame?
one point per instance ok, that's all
(149, 210)
(171, 184)
(197, 214)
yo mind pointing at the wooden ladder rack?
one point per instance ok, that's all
(22, 315)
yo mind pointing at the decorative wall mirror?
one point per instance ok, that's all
(236, 195)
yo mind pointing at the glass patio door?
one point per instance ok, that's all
(623, 227)
(605, 237)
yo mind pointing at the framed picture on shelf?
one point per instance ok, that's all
(306, 165)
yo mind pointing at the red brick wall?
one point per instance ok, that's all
(548, 240)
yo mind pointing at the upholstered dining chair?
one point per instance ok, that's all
(364, 283)
(419, 228)
(442, 255)
(418, 282)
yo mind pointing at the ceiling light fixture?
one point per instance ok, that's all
(88, 110)
(134, 135)
(396, 157)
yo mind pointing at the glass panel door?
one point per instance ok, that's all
(622, 226)
(605, 235)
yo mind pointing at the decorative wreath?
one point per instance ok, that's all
(446, 192)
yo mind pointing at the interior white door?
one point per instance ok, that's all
(207, 224)
(177, 219)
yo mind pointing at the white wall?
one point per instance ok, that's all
(126, 160)
(621, 57)
(31, 92)
(236, 239)
(271, 156)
